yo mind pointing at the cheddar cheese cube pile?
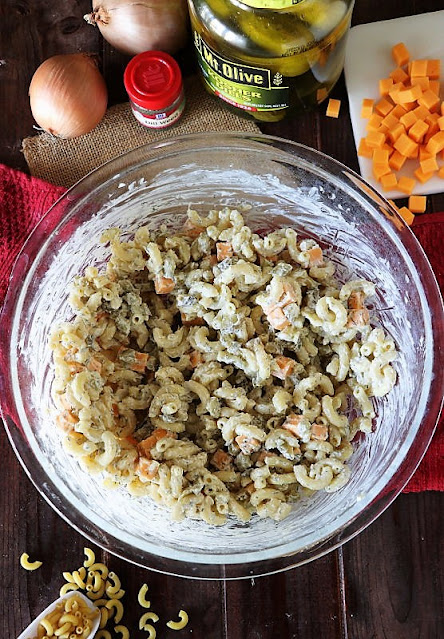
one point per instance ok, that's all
(407, 122)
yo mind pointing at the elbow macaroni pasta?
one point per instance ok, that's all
(179, 625)
(29, 565)
(216, 370)
(141, 597)
(71, 617)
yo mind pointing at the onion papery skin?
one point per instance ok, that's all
(68, 95)
(132, 27)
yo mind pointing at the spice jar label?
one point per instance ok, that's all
(247, 87)
(159, 120)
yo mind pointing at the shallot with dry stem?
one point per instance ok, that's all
(132, 26)
(68, 95)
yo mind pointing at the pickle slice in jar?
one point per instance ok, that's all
(221, 8)
(285, 45)
(323, 17)
(270, 116)
(276, 35)
(296, 64)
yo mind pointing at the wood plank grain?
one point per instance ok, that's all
(302, 603)
(393, 572)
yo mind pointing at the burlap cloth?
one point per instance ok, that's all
(64, 162)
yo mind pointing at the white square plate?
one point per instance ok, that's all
(368, 59)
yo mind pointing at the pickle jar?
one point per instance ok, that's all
(270, 58)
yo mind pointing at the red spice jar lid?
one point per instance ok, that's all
(153, 80)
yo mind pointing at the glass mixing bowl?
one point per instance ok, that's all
(286, 184)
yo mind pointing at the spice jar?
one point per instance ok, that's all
(153, 81)
(270, 58)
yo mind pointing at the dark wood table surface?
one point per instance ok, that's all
(387, 583)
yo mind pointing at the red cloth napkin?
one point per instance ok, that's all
(24, 200)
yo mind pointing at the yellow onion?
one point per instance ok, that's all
(132, 27)
(68, 95)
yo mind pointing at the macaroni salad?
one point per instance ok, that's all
(218, 371)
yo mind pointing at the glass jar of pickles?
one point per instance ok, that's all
(270, 58)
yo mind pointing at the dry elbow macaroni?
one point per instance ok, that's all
(218, 371)
(69, 618)
(29, 565)
(179, 625)
(73, 618)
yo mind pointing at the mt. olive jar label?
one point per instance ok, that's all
(247, 87)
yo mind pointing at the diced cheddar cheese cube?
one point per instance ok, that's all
(396, 161)
(418, 130)
(405, 96)
(364, 150)
(435, 86)
(385, 85)
(398, 75)
(400, 54)
(367, 108)
(380, 156)
(417, 203)
(418, 67)
(406, 184)
(423, 81)
(421, 112)
(375, 139)
(423, 154)
(433, 128)
(398, 111)
(436, 143)
(406, 215)
(440, 123)
(429, 100)
(389, 181)
(383, 107)
(423, 177)
(394, 92)
(333, 108)
(379, 170)
(374, 122)
(390, 121)
(408, 119)
(405, 145)
(434, 69)
(321, 94)
(429, 165)
(396, 132)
